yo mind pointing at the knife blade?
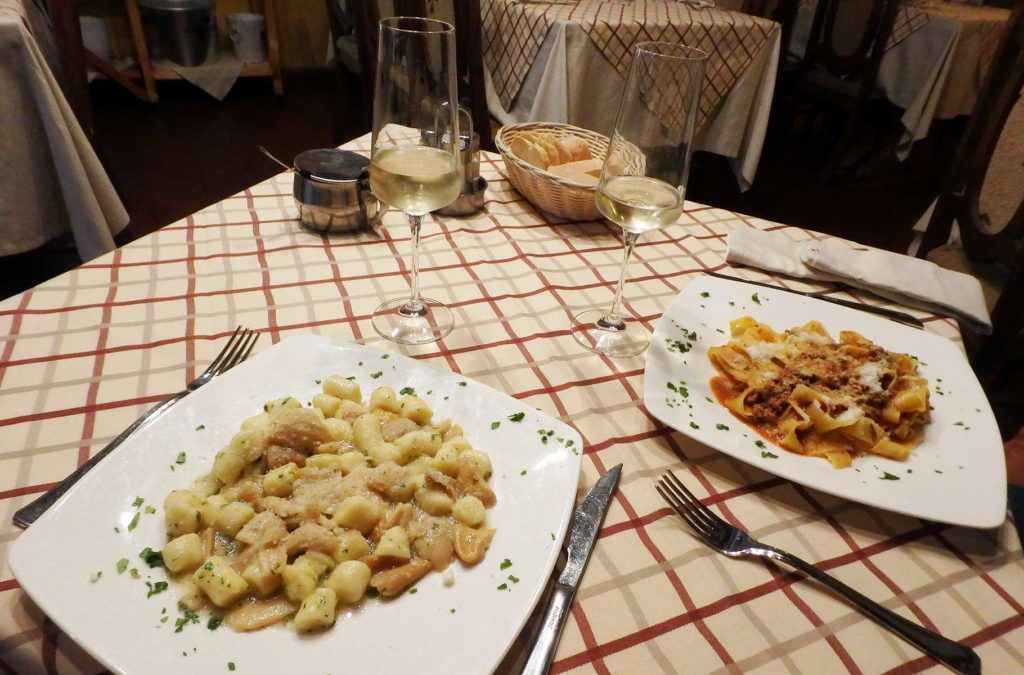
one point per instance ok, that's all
(901, 317)
(586, 523)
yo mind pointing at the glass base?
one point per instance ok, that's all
(395, 321)
(626, 338)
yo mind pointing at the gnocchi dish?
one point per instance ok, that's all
(309, 510)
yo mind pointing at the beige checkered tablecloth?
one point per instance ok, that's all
(86, 353)
(513, 33)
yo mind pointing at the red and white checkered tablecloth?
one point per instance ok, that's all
(514, 31)
(86, 353)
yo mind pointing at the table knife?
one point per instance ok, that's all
(901, 317)
(586, 523)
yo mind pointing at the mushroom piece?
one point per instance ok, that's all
(393, 581)
(471, 544)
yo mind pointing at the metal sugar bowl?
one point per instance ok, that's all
(332, 189)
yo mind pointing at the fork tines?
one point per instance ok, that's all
(686, 504)
(235, 351)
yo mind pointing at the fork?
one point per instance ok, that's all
(736, 543)
(234, 352)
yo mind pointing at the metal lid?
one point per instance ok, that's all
(331, 164)
(176, 5)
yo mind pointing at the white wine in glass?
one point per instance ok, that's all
(643, 181)
(414, 91)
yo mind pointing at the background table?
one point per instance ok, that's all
(935, 63)
(50, 178)
(87, 352)
(568, 63)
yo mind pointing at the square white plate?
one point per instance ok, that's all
(962, 452)
(114, 621)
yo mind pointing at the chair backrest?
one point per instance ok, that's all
(468, 46)
(782, 12)
(835, 45)
(959, 199)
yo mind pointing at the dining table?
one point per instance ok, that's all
(544, 60)
(51, 180)
(935, 61)
(82, 355)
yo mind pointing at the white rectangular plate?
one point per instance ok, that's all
(962, 452)
(114, 621)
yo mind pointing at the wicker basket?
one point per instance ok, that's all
(560, 196)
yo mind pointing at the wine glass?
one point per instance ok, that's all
(643, 181)
(415, 91)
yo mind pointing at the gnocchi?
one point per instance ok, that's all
(310, 509)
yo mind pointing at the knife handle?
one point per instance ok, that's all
(547, 640)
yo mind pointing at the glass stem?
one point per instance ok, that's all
(414, 307)
(614, 316)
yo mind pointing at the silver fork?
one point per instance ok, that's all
(234, 352)
(734, 542)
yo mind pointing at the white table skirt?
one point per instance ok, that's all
(935, 73)
(50, 178)
(562, 86)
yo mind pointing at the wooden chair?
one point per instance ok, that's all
(993, 252)
(782, 12)
(469, 52)
(839, 79)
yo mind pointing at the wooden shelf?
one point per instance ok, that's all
(149, 73)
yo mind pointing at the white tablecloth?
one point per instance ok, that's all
(50, 178)
(571, 81)
(937, 66)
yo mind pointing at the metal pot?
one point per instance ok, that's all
(332, 189)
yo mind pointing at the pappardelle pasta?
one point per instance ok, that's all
(310, 509)
(817, 397)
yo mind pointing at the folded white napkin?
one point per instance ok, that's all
(897, 277)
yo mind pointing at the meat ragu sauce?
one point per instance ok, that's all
(724, 389)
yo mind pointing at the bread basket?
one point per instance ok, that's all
(560, 196)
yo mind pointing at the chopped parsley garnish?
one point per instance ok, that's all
(214, 622)
(96, 576)
(139, 501)
(722, 427)
(412, 591)
(376, 375)
(705, 294)
(135, 521)
(694, 425)
(888, 476)
(407, 391)
(517, 417)
(187, 616)
(372, 593)
(134, 573)
(317, 381)
(231, 665)
(505, 564)
(150, 510)
(158, 587)
(461, 384)
(385, 356)
(760, 444)
(523, 472)
(200, 427)
(503, 587)
(513, 578)
(756, 299)
(495, 425)
(452, 610)
(958, 424)
(768, 455)
(152, 558)
(122, 565)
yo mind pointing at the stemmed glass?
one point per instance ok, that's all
(643, 182)
(415, 90)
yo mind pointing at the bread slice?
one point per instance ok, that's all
(546, 141)
(530, 152)
(586, 172)
(574, 148)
